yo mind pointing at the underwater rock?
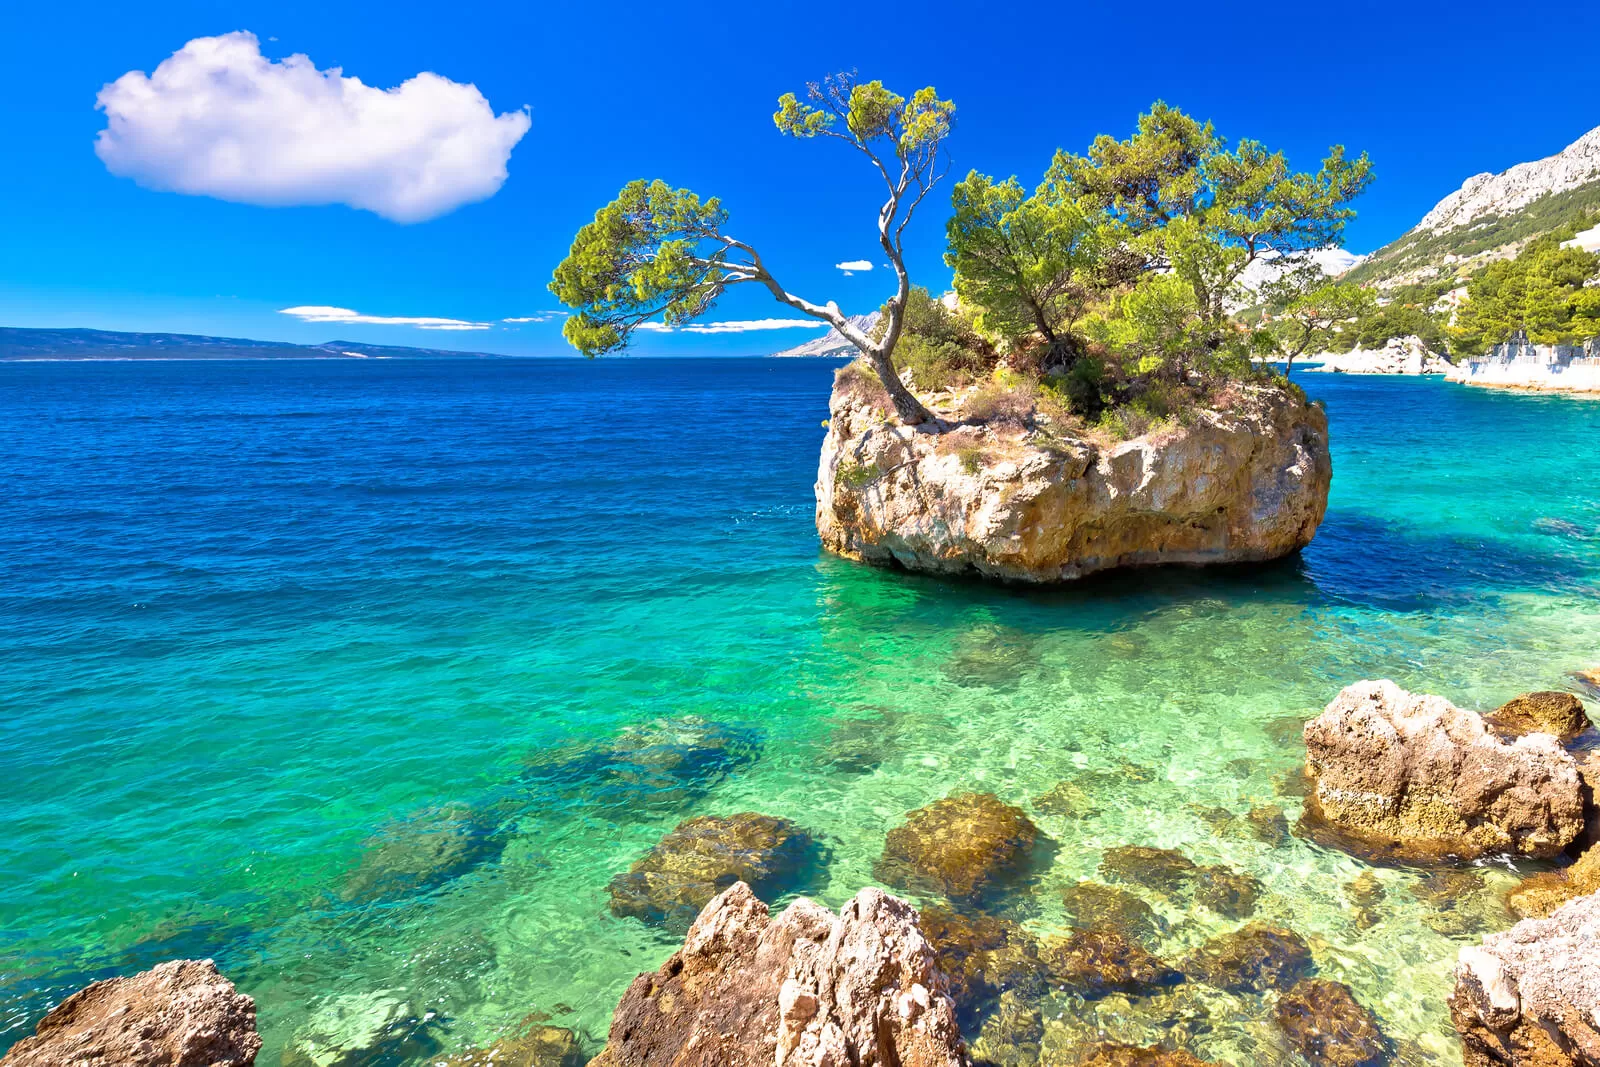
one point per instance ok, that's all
(805, 989)
(362, 1028)
(662, 765)
(1530, 996)
(1589, 679)
(992, 657)
(1269, 824)
(702, 857)
(1415, 777)
(1091, 904)
(182, 1013)
(1164, 869)
(1220, 820)
(1365, 891)
(859, 746)
(1110, 1055)
(1226, 891)
(1540, 894)
(535, 1045)
(1011, 1034)
(1248, 484)
(1091, 963)
(1330, 1027)
(1065, 798)
(422, 852)
(982, 957)
(1547, 712)
(1459, 904)
(959, 846)
(1254, 958)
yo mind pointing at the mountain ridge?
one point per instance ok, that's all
(20, 343)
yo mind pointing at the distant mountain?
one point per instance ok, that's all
(1492, 215)
(17, 343)
(833, 342)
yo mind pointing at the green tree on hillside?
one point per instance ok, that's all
(1312, 310)
(1543, 291)
(656, 251)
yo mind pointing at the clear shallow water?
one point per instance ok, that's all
(260, 620)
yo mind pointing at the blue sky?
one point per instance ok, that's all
(1434, 91)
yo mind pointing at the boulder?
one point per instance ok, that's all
(1112, 1055)
(534, 1045)
(1091, 963)
(960, 847)
(1090, 904)
(177, 1014)
(1548, 712)
(1323, 1019)
(982, 956)
(1164, 869)
(702, 857)
(1226, 891)
(1252, 959)
(421, 852)
(1015, 503)
(1540, 894)
(1414, 777)
(806, 989)
(1530, 996)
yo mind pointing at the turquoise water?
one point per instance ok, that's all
(271, 631)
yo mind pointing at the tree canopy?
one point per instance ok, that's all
(659, 252)
(1545, 290)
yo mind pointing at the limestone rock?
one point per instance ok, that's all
(1509, 191)
(806, 989)
(1530, 996)
(1538, 895)
(1003, 502)
(1090, 904)
(1399, 355)
(1110, 1055)
(535, 1045)
(177, 1014)
(1254, 959)
(1416, 777)
(982, 956)
(421, 852)
(1094, 962)
(702, 857)
(1548, 712)
(1226, 891)
(1163, 869)
(1329, 1026)
(959, 846)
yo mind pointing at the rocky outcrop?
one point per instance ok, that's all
(178, 1014)
(1547, 712)
(1540, 894)
(1011, 502)
(1399, 355)
(806, 989)
(959, 847)
(1503, 194)
(703, 856)
(1530, 996)
(1413, 776)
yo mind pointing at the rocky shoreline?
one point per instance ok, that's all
(962, 979)
(1019, 503)
(1401, 355)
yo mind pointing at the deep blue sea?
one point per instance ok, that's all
(303, 666)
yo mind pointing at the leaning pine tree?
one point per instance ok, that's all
(659, 251)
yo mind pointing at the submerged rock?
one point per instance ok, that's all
(535, 1045)
(1269, 824)
(1110, 1055)
(177, 1014)
(960, 847)
(982, 956)
(1090, 904)
(1530, 996)
(422, 852)
(1323, 1019)
(702, 857)
(1365, 892)
(1226, 891)
(1065, 798)
(1412, 776)
(806, 989)
(1091, 963)
(1459, 903)
(1248, 484)
(1164, 869)
(1549, 712)
(1252, 959)
(1538, 895)
(1011, 1033)
(661, 765)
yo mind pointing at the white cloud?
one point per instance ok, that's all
(853, 265)
(219, 119)
(543, 316)
(321, 313)
(736, 326)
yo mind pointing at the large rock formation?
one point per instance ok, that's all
(1399, 355)
(1414, 776)
(1530, 996)
(178, 1014)
(807, 989)
(1015, 503)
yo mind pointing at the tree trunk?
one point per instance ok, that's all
(906, 406)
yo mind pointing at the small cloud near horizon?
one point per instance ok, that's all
(323, 313)
(850, 266)
(219, 119)
(543, 316)
(735, 326)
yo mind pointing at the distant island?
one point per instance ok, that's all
(18, 344)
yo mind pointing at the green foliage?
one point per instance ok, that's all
(1379, 325)
(940, 348)
(971, 457)
(636, 260)
(857, 475)
(1542, 291)
(1314, 312)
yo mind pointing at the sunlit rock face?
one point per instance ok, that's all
(1019, 503)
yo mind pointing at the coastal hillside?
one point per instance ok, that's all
(834, 343)
(1491, 217)
(17, 343)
